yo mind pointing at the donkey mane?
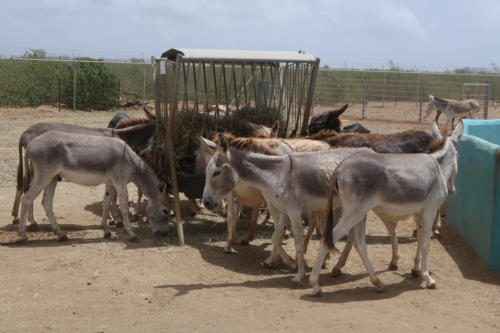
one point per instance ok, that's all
(443, 100)
(411, 141)
(131, 122)
(251, 144)
(149, 159)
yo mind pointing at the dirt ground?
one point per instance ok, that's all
(91, 284)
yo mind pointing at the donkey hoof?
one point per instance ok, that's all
(228, 250)
(32, 227)
(431, 286)
(266, 265)
(295, 285)
(63, 238)
(336, 272)
(119, 224)
(318, 293)
(380, 289)
(107, 234)
(15, 220)
(392, 267)
(415, 273)
(244, 241)
(436, 235)
(22, 240)
(133, 238)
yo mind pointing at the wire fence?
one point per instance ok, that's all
(68, 82)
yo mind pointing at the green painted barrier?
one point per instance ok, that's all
(474, 209)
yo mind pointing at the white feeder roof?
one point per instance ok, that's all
(245, 56)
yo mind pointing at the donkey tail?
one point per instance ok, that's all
(329, 221)
(20, 184)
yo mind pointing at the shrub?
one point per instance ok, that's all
(96, 86)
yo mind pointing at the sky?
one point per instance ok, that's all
(416, 34)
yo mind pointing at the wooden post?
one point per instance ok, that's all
(170, 151)
(225, 88)
(185, 75)
(195, 81)
(236, 95)
(216, 91)
(254, 86)
(243, 82)
(205, 88)
(310, 96)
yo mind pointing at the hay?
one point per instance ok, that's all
(190, 125)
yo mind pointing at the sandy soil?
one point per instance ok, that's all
(89, 284)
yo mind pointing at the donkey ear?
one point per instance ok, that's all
(435, 132)
(457, 132)
(275, 129)
(208, 145)
(150, 115)
(223, 144)
(337, 113)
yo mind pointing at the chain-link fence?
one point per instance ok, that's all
(76, 84)
(403, 95)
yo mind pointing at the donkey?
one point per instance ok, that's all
(91, 161)
(330, 121)
(290, 184)
(264, 132)
(136, 132)
(119, 116)
(452, 108)
(394, 186)
(242, 193)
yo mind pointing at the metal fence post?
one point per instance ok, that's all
(74, 85)
(486, 99)
(421, 97)
(59, 95)
(363, 99)
(144, 83)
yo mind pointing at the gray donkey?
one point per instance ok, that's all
(136, 136)
(394, 186)
(91, 160)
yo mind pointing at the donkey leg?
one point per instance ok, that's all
(27, 202)
(337, 269)
(312, 225)
(298, 237)
(415, 271)
(106, 205)
(391, 228)
(359, 232)
(114, 211)
(425, 240)
(47, 202)
(253, 225)
(15, 207)
(314, 278)
(280, 221)
(121, 190)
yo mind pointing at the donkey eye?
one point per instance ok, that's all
(216, 173)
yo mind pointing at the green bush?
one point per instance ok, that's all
(96, 86)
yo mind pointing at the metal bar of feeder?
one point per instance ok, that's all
(170, 151)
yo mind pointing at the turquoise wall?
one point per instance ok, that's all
(474, 210)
